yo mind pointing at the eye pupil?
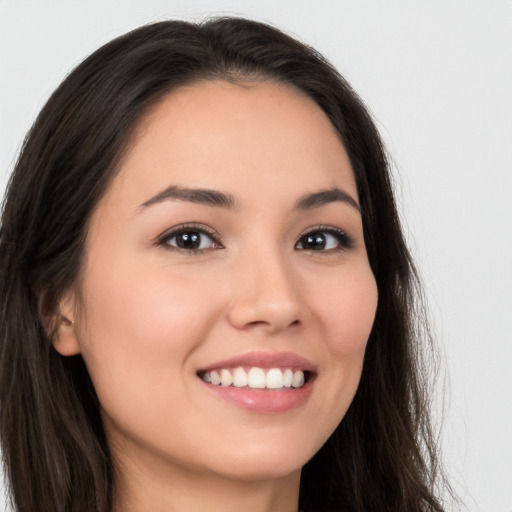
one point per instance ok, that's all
(188, 240)
(315, 241)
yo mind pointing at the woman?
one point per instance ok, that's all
(206, 296)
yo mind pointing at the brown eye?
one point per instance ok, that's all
(190, 240)
(324, 240)
(314, 242)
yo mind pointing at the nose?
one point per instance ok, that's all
(265, 294)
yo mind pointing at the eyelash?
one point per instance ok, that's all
(344, 241)
(164, 240)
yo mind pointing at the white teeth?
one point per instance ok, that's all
(274, 378)
(214, 378)
(287, 378)
(256, 378)
(225, 378)
(298, 379)
(239, 378)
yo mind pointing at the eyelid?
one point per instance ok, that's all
(169, 233)
(347, 241)
(344, 239)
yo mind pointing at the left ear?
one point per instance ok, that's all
(65, 340)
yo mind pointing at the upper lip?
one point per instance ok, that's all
(265, 360)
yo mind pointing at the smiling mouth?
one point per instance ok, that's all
(261, 382)
(257, 378)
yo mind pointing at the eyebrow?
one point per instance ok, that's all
(323, 197)
(218, 199)
(193, 195)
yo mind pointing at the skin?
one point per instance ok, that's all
(152, 315)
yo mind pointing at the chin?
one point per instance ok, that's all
(260, 471)
(262, 461)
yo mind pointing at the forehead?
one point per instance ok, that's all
(243, 138)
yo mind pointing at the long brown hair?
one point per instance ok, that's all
(382, 457)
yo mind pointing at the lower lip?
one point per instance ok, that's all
(263, 400)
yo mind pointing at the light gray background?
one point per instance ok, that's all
(438, 77)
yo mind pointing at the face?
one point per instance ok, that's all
(229, 247)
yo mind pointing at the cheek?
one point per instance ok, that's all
(139, 321)
(348, 311)
(141, 328)
(345, 310)
(146, 307)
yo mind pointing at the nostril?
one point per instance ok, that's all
(269, 301)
